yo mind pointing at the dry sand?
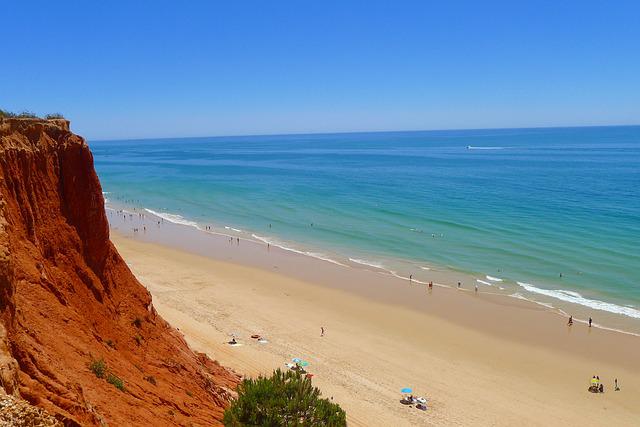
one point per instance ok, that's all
(479, 359)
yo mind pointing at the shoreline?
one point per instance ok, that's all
(464, 352)
(445, 277)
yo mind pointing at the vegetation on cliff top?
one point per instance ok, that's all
(28, 115)
(284, 399)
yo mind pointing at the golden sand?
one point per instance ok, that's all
(478, 359)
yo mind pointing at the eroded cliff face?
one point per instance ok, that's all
(67, 297)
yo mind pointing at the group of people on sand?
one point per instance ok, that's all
(570, 322)
(597, 387)
(420, 402)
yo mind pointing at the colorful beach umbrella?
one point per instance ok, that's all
(296, 360)
(303, 363)
(406, 390)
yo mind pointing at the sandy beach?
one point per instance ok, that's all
(479, 359)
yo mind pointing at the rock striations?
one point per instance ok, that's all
(68, 299)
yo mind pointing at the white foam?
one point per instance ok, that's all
(484, 283)
(518, 295)
(576, 298)
(395, 274)
(174, 218)
(369, 263)
(317, 255)
(425, 268)
(237, 230)
(494, 279)
(470, 147)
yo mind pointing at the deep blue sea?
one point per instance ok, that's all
(554, 213)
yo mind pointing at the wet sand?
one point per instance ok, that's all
(480, 359)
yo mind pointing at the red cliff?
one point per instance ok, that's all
(67, 298)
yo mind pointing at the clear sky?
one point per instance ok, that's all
(138, 69)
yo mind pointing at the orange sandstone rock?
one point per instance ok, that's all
(67, 297)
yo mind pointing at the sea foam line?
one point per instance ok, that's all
(576, 298)
(471, 147)
(391, 272)
(297, 251)
(368, 263)
(494, 279)
(174, 218)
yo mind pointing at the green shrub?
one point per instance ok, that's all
(98, 367)
(54, 116)
(116, 381)
(27, 115)
(284, 399)
(5, 113)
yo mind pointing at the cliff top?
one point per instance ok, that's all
(79, 336)
(11, 124)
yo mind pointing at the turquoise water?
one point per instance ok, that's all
(523, 205)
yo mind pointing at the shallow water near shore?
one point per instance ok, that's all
(550, 215)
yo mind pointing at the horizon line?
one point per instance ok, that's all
(358, 132)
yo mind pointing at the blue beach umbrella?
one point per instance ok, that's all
(296, 360)
(406, 390)
(303, 363)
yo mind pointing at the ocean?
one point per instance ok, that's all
(551, 214)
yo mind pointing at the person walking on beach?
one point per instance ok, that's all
(570, 321)
(430, 285)
(321, 331)
(410, 278)
(616, 388)
(476, 289)
(590, 320)
(459, 284)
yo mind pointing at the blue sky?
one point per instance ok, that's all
(195, 68)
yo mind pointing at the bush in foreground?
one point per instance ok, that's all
(284, 399)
